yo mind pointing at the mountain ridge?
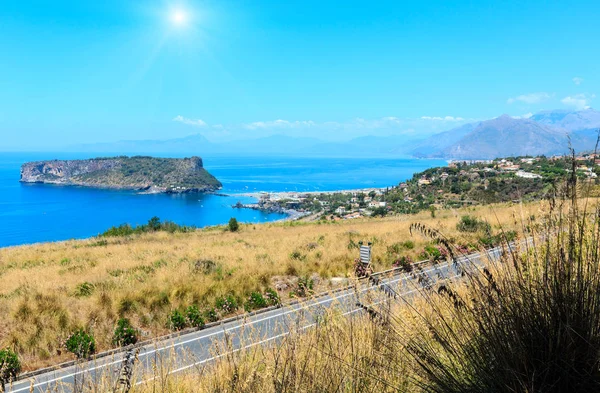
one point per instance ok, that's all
(546, 132)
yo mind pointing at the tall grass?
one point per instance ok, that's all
(527, 322)
(50, 290)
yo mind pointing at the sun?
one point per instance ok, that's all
(178, 17)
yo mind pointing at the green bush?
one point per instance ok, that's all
(256, 301)
(272, 297)
(472, 224)
(379, 211)
(211, 315)
(176, 320)
(297, 255)
(81, 344)
(153, 225)
(10, 366)
(194, 317)
(226, 304)
(233, 225)
(84, 289)
(305, 286)
(124, 333)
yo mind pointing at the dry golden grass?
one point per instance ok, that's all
(50, 289)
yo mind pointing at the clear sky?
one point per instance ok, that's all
(74, 71)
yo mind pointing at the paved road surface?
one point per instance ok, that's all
(193, 350)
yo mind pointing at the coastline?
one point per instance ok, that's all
(292, 214)
(293, 194)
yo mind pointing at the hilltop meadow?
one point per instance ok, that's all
(51, 290)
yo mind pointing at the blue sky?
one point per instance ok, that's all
(83, 72)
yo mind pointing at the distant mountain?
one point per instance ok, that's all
(191, 144)
(572, 121)
(544, 133)
(442, 140)
(505, 136)
(368, 146)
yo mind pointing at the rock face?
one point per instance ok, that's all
(169, 175)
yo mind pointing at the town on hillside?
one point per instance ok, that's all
(461, 183)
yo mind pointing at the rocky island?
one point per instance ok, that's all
(149, 174)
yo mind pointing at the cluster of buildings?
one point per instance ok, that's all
(361, 204)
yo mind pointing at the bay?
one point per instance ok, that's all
(31, 213)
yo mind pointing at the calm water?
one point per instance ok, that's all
(32, 213)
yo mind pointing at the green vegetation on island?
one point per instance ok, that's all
(152, 174)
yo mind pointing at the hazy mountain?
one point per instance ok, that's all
(197, 144)
(543, 133)
(442, 140)
(586, 119)
(275, 145)
(506, 136)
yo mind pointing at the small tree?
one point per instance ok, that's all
(125, 334)
(81, 344)
(154, 224)
(10, 366)
(233, 224)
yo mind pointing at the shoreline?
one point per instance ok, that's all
(292, 214)
(292, 194)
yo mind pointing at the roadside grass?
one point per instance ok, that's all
(528, 321)
(50, 290)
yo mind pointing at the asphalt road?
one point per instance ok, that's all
(193, 350)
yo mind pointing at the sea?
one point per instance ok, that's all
(32, 213)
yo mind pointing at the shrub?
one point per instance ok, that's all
(121, 230)
(297, 255)
(10, 366)
(255, 301)
(176, 320)
(153, 225)
(84, 289)
(405, 263)
(408, 244)
(81, 344)
(194, 317)
(211, 315)
(305, 286)
(272, 297)
(226, 304)
(233, 225)
(472, 224)
(433, 253)
(124, 333)
(379, 211)
(205, 266)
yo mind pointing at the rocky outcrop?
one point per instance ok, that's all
(170, 175)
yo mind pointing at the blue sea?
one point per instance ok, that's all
(31, 213)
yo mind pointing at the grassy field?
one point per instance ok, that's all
(526, 322)
(49, 290)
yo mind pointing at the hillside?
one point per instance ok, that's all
(49, 290)
(150, 174)
(506, 136)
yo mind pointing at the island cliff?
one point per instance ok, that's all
(168, 175)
